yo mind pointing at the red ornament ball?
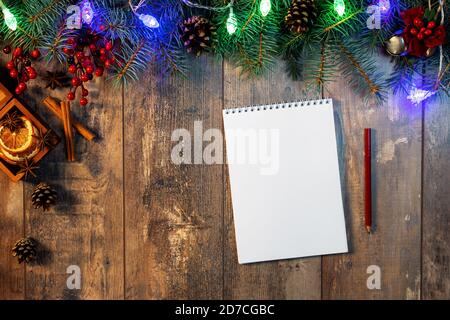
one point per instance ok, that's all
(84, 92)
(79, 55)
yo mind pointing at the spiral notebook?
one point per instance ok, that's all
(285, 182)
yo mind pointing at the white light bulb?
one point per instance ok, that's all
(339, 7)
(87, 13)
(231, 22)
(149, 21)
(265, 7)
(10, 20)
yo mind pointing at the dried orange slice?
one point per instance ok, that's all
(19, 140)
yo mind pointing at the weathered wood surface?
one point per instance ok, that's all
(141, 227)
(394, 246)
(436, 201)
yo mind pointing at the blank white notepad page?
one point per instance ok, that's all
(285, 182)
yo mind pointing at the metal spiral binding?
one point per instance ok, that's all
(282, 105)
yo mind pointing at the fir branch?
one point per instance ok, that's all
(374, 89)
(342, 21)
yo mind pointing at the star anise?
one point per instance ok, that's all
(12, 121)
(27, 167)
(47, 139)
(56, 79)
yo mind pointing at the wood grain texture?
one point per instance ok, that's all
(174, 213)
(12, 275)
(290, 279)
(86, 227)
(436, 201)
(394, 245)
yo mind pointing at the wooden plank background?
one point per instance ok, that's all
(140, 227)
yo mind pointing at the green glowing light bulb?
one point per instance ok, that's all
(339, 7)
(265, 7)
(231, 22)
(10, 20)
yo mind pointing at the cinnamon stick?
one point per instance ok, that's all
(53, 106)
(65, 112)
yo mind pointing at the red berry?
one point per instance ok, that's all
(103, 51)
(103, 58)
(428, 32)
(414, 31)
(32, 75)
(10, 65)
(83, 101)
(72, 69)
(71, 41)
(99, 72)
(84, 78)
(25, 77)
(68, 51)
(13, 73)
(17, 91)
(109, 46)
(431, 25)
(7, 50)
(30, 70)
(79, 55)
(22, 86)
(76, 82)
(18, 52)
(418, 22)
(84, 92)
(71, 96)
(35, 53)
(89, 69)
(420, 36)
(422, 30)
(92, 47)
(107, 64)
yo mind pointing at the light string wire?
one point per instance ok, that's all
(200, 6)
(441, 50)
(136, 7)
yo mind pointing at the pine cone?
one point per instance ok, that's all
(301, 16)
(25, 250)
(43, 196)
(197, 35)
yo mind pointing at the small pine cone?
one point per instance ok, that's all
(43, 196)
(197, 35)
(25, 250)
(301, 16)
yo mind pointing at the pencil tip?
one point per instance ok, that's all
(368, 229)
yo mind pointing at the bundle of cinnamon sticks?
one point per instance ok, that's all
(62, 111)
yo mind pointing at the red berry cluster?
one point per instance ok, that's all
(88, 54)
(422, 31)
(20, 67)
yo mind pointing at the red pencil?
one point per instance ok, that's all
(368, 179)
